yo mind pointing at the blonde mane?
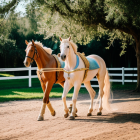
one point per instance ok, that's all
(48, 50)
(74, 46)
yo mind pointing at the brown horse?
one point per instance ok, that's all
(43, 58)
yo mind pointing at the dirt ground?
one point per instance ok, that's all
(18, 120)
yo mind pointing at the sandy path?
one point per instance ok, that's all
(18, 120)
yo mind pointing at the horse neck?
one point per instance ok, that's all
(43, 59)
(70, 60)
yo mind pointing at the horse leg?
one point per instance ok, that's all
(101, 93)
(67, 87)
(70, 108)
(92, 95)
(46, 102)
(43, 107)
(74, 99)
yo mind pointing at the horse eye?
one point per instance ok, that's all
(67, 46)
(31, 50)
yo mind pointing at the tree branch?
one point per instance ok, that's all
(7, 7)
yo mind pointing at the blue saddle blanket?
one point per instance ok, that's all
(92, 63)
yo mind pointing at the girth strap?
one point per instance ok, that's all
(58, 66)
(85, 62)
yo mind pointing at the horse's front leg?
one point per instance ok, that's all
(77, 86)
(46, 101)
(67, 87)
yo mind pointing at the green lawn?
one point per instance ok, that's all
(11, 90)
(36, 93)
(32, 93)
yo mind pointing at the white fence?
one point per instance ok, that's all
(120, 74)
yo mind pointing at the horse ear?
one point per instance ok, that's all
(60, 38)
(26, 42)
(33, 42)
(70, 38)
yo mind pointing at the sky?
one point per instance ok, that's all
(21, 5)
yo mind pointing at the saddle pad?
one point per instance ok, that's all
(92, 63)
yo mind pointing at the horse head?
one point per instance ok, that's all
(67, 47)
(31, 53)
(64, 48)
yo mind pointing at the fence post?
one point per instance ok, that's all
(29, 72)
(122, 75)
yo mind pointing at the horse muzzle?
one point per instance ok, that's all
(63, 57)
(26, 64)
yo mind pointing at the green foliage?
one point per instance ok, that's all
(6, 45)
(6, 6)
(83, 20)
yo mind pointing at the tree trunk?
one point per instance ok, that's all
(137, 49)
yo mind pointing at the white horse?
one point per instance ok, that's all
(68, 54)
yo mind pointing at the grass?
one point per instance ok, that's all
(32, 93)
(56, 92)
(6, 75)
(11, 90)
(18, 83)
(126, 86)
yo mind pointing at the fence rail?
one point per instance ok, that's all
(30, 76)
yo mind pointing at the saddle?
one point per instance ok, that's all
(90, 63)
(58, 66)
(86, 62)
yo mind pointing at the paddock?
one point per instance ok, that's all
(18, 120)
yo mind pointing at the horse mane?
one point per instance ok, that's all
(48, 50)
(74, 46)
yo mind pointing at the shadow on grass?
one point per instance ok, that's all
(8, 93)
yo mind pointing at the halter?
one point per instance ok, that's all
(35, 52)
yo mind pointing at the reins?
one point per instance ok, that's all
(61, 69)
(53, 69)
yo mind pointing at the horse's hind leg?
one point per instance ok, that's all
(101, 93)
(92, 95)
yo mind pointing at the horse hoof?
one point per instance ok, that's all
(70, 108)
(72, 117)
(76, 115)
(99, 113)
(66, 115)
(53, 114)
(40, 118)
(89, 114)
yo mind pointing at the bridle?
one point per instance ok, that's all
(35, 52)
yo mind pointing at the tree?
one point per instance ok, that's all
(84, 19)
(115, 17)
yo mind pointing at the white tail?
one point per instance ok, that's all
(107, 93)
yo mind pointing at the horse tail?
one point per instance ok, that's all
(108, 94)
